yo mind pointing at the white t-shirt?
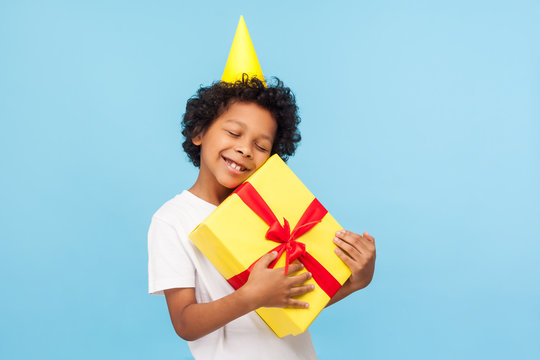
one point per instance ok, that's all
(175, 262)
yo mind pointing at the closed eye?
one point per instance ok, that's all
(233, 134)
(261, 148)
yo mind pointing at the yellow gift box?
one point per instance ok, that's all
(237, 234)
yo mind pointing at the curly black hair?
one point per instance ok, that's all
(212, 101)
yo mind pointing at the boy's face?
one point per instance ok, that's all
(236, 144)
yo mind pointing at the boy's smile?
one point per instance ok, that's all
(235, 166)
(236, 144)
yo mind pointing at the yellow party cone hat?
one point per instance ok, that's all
(242, 57)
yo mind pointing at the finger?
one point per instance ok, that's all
(266, 259)
(360, 243)
(300, 290)
(369, 237)
(299, 279)
(370, 244)
(294, 267)
(345, 258)
(293, 303)
(352, 251)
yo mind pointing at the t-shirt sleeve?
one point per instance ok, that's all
(169, 265)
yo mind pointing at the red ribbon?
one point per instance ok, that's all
(282, 234)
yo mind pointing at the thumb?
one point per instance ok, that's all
(266, 259)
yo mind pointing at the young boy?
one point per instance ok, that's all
(231, 130)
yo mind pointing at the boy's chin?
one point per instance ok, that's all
(231, 184)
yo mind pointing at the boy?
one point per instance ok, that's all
(231, 129)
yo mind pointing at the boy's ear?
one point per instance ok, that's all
(197, 140)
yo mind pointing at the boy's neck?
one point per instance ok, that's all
(214, 196)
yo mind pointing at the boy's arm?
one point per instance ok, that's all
(265, 287)
(358, 253)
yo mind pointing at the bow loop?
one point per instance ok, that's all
(279, 233)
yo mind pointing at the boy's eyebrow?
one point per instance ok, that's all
(237, 122)
(244, 126)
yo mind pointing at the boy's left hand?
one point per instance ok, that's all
(358, 253)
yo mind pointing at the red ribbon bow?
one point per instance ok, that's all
(293, 249)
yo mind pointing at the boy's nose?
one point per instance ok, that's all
(244, 149)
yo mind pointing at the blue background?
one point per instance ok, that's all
(420, 125)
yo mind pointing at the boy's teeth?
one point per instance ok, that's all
(234, 165)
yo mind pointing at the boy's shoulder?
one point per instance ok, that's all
(183, 209)
(171, 207)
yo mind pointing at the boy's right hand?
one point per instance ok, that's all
(273, 288)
